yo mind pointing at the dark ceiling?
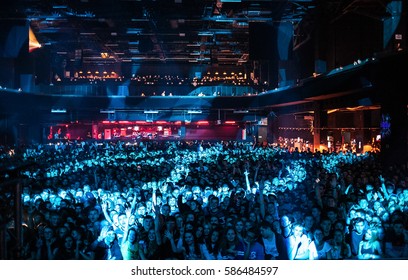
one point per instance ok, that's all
(160, 31)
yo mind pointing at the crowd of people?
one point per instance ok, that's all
(190, 200)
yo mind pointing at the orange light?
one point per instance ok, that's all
(202, 122)
(105, 122)
(161, 122)
(124, 122)
(33, 43)
(229, 122)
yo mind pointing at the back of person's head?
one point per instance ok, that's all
(265, 225)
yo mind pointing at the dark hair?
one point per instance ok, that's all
(265, 224)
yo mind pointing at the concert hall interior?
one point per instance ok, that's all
(303, 75)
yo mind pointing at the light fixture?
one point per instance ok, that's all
(151, 112)
(59, 111)
(194, 112)
(240, 111)
(107, 111)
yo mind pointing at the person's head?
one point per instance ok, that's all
(189, 237)
(93, 215)
(339, 224)
(285, 221)
(360, 213)
(331, 213)
(266, 230)
(132, 220)
(122, 219)
(398, 227)
(371, 235)
(359, 224)
(318, 235)
(214, 221)
(165, 210)
(189, 226)
(276, 226)
(316, 212)
(170, 223)
(252, 234)
(325, 225)
(48, 233)
(55, 219)
(214, 235)
(151, 234)
(141, 209)
(68, 242)
(207, 227)
(110, 236)
(297, 229)
(147, 222)
(172, 201)
(231, 235)
(194, 206)
(390, 188)
(239, 226)
(376, 205)
(199, 231)
(190, 217)
(338, 236)
(363, 203)
(62, 232)
(196, 192)
(77, 233)
(132, 235)
(308, 221)
(380, 233)
(252, 217)
(213, 202)
(45, 194)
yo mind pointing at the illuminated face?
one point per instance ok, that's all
(309, 221)
(122, 219)
(165, 210)
(152, 235)
(110, 236)
(230, 235)
(172, 201)
(141, 211)
(132, 219)
(215, 236)
(359, 227)
(69, 241)
(132, 236)
(363, 203)
(189, 238)
(318, 235)
(93, 215)
(298, 231)
(239, 226)
(368, 234)
(214, 220)
(285, 221)
(207, 229)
